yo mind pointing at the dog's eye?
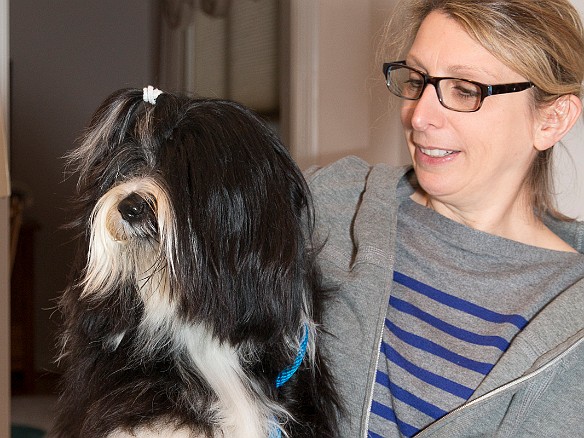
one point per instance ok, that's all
(133, 207)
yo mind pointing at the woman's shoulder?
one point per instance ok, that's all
(349, 191)
(571, 232)
(351, 174)
(350, 165)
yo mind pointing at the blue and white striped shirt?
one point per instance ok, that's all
(459, 297)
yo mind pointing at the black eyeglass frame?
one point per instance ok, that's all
(486, 90)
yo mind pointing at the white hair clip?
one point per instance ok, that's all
(151, 93)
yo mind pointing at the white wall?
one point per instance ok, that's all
(569, 172)
(570, 163)
(340, 103)
(356, 116)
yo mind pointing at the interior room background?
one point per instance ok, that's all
(307, 66)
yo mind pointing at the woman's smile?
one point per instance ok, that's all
(437, 152)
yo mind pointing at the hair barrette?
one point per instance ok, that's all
(150, 94)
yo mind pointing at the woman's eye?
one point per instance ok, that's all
(414, 84)
(463, 90)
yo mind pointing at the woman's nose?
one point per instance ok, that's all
(427, 111)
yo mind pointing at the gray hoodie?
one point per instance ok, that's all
(536, 388)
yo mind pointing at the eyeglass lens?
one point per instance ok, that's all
(455, 94)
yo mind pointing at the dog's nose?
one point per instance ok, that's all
(133, 207)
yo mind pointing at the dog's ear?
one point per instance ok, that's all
(240, 207)
(276, 212)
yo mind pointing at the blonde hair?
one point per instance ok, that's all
(543, 40)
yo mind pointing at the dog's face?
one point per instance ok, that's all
(191, 209)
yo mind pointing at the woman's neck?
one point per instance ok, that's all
(514, 220)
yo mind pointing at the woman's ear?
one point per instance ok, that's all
(555, 120)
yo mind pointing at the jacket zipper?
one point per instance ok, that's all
(501, 389)
(370, 399)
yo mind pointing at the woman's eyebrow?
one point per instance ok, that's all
(473, 70)
(456, 70)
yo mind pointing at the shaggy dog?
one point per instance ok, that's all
(194, 306)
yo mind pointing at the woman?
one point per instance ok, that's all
(460, 304)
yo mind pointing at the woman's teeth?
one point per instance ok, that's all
(436, 153)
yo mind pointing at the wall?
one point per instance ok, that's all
(67, 56)
(569, 172)
(569, 163)
(355, 116)
(339, 104)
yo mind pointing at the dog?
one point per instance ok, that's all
(195, 302)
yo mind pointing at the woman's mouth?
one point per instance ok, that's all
(437, 153)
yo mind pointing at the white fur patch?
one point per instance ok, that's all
(116, 253)
(240, 412)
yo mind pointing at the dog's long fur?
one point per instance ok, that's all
(195, 279)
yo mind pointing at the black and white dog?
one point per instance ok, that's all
(194, 309)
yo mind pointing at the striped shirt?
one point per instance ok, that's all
(459, 298)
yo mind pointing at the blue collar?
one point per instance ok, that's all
(289, 371)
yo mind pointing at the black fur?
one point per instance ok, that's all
(243, 265)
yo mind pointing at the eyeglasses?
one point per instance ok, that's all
(453, 93)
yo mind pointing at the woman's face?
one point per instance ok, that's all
(467, 159)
